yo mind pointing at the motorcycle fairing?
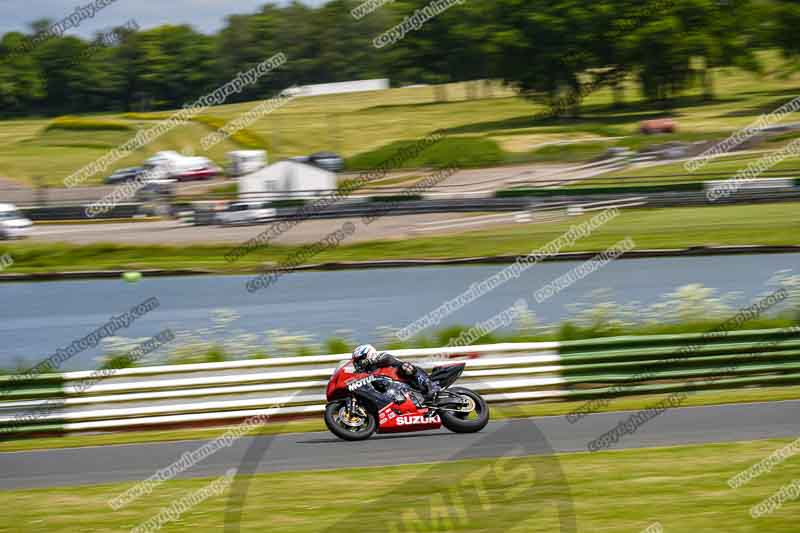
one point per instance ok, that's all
(394, 414)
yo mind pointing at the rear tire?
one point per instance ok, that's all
(458, 424)
(341, 430)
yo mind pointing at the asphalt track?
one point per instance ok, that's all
(307, 451)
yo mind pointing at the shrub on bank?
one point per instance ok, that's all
(448, 152)
(70, 123)
(163, 115)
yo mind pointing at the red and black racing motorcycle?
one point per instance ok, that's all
(360, 404)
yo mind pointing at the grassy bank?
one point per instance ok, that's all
(497, 128)
(682, 488)
(764, 224)
(499, 412)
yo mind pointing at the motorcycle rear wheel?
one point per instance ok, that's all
(337, 426)
(458, 422)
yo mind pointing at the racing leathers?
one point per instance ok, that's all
(416, 377)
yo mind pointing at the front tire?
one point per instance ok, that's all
(334, 419)
(460, 422)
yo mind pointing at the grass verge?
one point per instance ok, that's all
(762, 224)
(316, 424)
(683, 488)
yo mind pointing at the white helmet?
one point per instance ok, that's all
(364, 353)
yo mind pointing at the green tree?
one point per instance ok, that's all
(67, 81)
(782, 31)
(663, 58)
(720, 34)
(552, 51)
(443, 50)
(248, 40)
(173, 65)
(542, 48)
(21, 82)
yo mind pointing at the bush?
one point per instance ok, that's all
(569, 332)
(87, 124)
(451, 334)
(147, 116)
(336, 345)
(347, 186)
(463, 152)
(117, 361)
(198, 353)
(228, 188)
(450, 151)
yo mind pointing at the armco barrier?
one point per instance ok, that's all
(77, 212)
(167, 396)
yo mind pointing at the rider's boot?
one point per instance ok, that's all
(432, 392)
(429, 388)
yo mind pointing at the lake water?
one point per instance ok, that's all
(38, 318)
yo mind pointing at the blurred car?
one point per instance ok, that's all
(619, 151)
(659, 125)
(13, 225)
(124, 174)
(249, 212)
(207, 213)
(326, 160)
(172, 165)
(206, 172)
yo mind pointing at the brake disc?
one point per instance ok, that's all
(470, 405)
(350, 420)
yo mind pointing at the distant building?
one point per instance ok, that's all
(339, 88)
(285, 180)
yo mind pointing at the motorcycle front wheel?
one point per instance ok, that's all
(350, 426)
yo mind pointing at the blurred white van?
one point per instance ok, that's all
(243, 162)
(13, 225)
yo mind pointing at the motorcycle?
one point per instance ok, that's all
(361, 404)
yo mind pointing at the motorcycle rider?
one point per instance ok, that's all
(367, 359)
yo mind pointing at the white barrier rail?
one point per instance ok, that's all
(207, 392)
(295, 386)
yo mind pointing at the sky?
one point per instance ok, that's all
(205, 15)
